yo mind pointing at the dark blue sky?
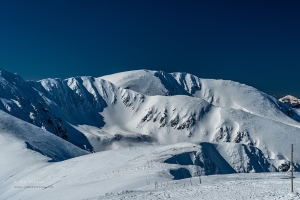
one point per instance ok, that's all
(253, 42)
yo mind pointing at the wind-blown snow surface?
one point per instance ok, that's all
(25, 148)
(133, 172)
(135, 108)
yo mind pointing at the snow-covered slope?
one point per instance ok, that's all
(18, 132)
(19, 99)
(25, 148)
(129, 169)
(150, 82)
(221, 93)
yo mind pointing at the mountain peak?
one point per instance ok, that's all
(291, 101)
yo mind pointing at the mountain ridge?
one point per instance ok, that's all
(96, 114)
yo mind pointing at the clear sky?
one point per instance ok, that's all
(255, 42)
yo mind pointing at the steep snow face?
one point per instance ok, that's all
(56, 105)
(80, 101)
(147, 82)
(27, 136)
(208, 158)
(181, 118)
(19, 99)
(220, 93)
(25, 147)
(238, 96)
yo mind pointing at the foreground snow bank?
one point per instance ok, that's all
(135, 172)
(260, 186)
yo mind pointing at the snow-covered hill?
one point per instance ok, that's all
(148, 107)
(20, 134)
(129, 172)
(25, 149)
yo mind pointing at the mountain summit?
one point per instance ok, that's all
(291, 101)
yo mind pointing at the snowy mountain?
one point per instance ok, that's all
(148, 107)
(291, 101)
(219, 93)
(146, 127)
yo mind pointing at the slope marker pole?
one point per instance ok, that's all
(292, 168)
(199, 178)
(199, 174)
